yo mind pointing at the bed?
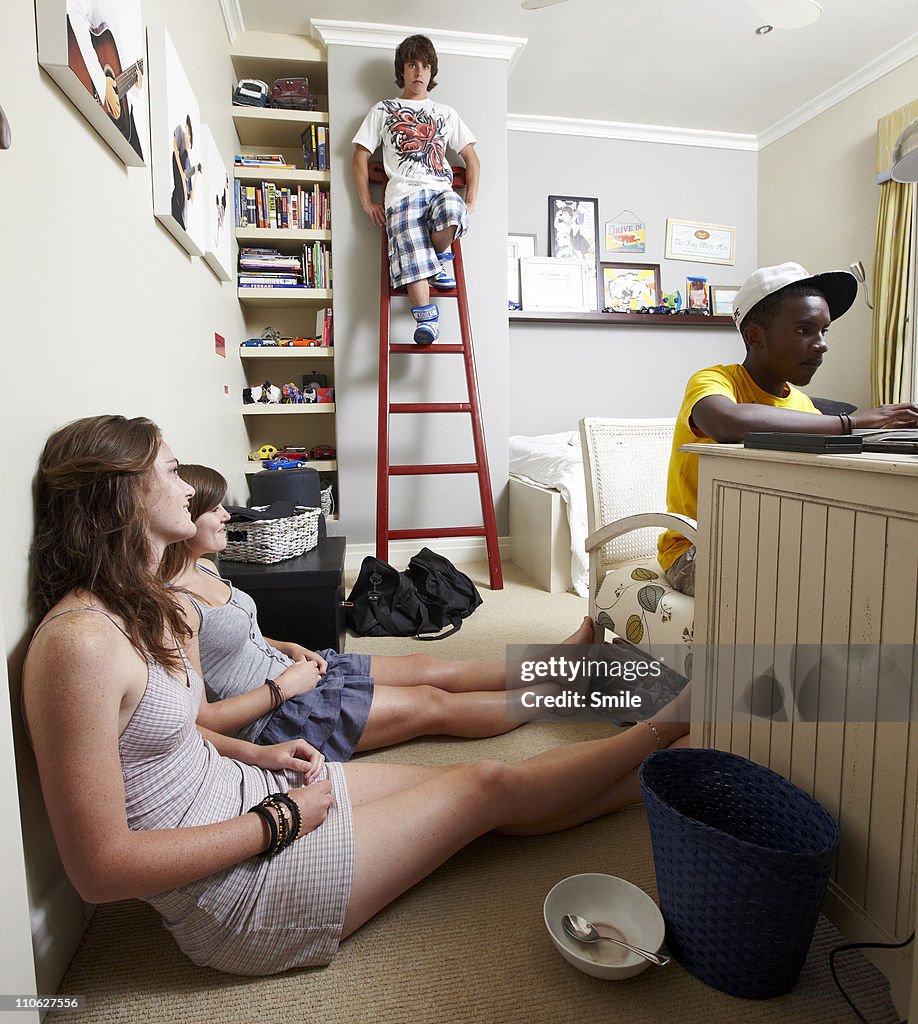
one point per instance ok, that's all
(548, 522)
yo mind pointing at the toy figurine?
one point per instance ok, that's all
(266, 451)
(291, 395)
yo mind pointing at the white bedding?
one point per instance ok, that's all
(556, 461)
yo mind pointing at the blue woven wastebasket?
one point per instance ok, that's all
(742, 859)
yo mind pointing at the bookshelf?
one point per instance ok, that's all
(291, 311)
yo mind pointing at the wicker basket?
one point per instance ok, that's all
(742, 859)
(272, 540)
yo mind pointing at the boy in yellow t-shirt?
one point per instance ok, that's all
(783, 314)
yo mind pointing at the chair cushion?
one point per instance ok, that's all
(636, 602)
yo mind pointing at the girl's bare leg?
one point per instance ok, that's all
(404, 831)
(454, 676)
(400, 713)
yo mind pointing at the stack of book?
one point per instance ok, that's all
(267, 205)
(315, 147)
(316, 265)
(268, 268)
(277, 161)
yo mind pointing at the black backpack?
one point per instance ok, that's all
(430, 595)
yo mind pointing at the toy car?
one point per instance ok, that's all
(279, 463)
(323, 451)
(266, 451)
(252, 343)
(300, 454)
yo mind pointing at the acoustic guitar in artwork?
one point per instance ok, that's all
(124, 79)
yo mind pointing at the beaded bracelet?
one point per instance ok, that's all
(296, 824)
(285, 821)
(656, 735)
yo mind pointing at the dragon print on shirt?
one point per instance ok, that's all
(417, 138)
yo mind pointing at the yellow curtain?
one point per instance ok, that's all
(891, 340)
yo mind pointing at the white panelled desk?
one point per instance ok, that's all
(808, 570)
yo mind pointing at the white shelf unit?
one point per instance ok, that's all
(268, 56)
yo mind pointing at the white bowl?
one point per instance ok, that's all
(604, 900)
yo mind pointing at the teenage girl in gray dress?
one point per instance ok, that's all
(337, 702)
(259, 858)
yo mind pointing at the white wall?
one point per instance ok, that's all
(358, 77)
(817, 205)
(560, 372)
(102, 311)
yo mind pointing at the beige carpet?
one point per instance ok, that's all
(468, 944)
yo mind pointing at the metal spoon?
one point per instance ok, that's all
(583, 930)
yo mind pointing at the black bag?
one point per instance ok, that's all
(450, 596)
(431, 594)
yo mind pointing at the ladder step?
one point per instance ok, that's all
(435, 293)
(430, 407)
(429, 349)
(434, 468)
(438, 531)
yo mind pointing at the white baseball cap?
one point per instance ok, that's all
(838, 286)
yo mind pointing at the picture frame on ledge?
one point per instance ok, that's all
(554, 285)
(700, 243)
(722, 299)
(573, 232)
(628, 287)
(697, 296)
(100, 64)
(519, 246)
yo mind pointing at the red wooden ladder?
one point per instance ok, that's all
(472, 407)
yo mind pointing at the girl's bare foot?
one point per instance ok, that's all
(583, 634)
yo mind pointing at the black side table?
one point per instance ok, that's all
(299, 599)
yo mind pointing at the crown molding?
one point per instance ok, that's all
(232, 18)
(631, 132)
(387, 37)
(883, 64)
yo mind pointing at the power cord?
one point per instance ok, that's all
(847, 947)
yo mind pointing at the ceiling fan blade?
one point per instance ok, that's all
(535, 5)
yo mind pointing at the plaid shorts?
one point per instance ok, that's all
(409, 225)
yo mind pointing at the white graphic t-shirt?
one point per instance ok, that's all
(414, 135)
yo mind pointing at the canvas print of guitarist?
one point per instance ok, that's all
(102, 38)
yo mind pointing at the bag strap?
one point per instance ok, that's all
(454, 628)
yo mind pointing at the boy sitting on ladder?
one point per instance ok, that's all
(422, 214)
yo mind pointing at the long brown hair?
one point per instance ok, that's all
(91, 529)
(209, 492)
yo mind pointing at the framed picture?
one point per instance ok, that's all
(573, 231)
(556, 285)
(624, 287)
(94, 50)
(177, 146)
(520, 245)
(218, 250)
(696, 295)
(700, 243)
(722, 296)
